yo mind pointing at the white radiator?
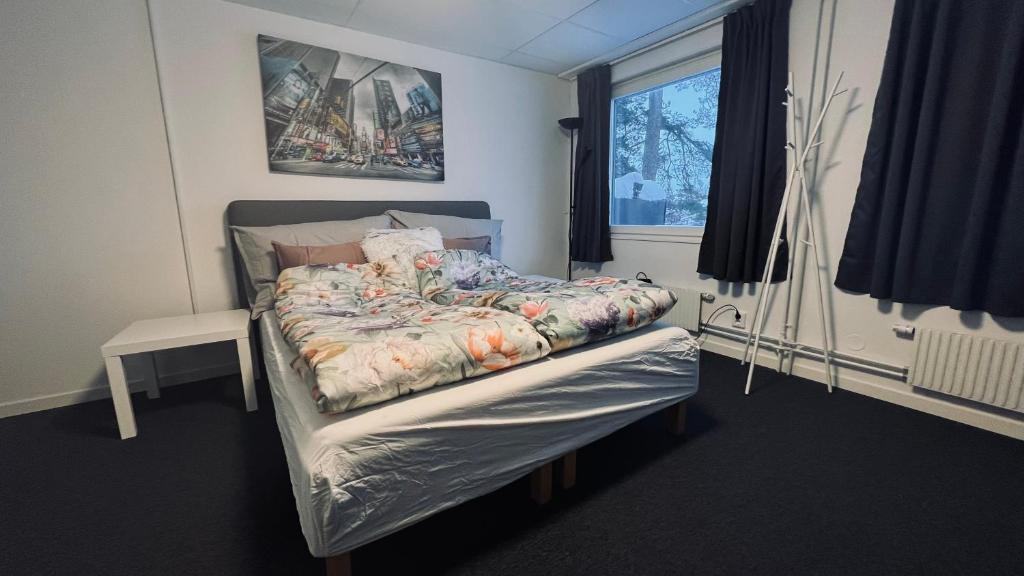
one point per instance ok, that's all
(973, 367)
(686, 312)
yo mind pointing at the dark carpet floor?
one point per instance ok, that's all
(786, 481)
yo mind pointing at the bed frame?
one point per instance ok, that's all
(275, 212)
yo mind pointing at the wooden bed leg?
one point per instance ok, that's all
(340, 565)
(677, 418)
(540, 484)
(567, 471)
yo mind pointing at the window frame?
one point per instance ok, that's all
(663, 76)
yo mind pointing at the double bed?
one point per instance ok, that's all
(362, 474)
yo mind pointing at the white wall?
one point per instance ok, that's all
(87, 212)
(828, 37)
(502, 141)
(88, 218)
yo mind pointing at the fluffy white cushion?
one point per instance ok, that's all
(451, 226)
(404, 244)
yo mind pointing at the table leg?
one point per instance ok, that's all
(245, 363)
(122, 400)
(152, 379)
(255, 354)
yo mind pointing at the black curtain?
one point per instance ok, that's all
(939, 213)
(748, 166)
(591, 237)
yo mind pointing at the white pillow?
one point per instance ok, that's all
(451, 226)
(404, 244)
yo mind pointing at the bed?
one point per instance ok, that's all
(363, 474)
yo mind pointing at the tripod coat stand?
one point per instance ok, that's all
(796, 173)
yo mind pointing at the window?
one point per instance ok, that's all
(662, 140)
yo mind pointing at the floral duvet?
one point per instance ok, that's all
(363, 335)
(566, 314)
(368, 337)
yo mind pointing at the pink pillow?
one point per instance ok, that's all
(331, 254)
(477, 243)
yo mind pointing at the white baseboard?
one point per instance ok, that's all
(883, 389)
(81, 395)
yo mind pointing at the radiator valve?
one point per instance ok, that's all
(903, 330)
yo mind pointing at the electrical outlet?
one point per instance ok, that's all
(742, 322)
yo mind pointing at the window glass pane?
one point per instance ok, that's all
(662, 139)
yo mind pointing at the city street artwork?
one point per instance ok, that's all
(338, 114)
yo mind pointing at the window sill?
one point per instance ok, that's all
(671, 234)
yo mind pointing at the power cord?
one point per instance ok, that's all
(642, 277)
(717, 312)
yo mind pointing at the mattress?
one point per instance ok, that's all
(361, 475)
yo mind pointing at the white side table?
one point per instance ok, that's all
(148, 336)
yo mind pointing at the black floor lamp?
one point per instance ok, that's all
(572, 124)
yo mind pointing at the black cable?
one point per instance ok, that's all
(714, 314)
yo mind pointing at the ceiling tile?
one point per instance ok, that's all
(699, 5)
(468, 48)
(570, 44)
(545, 35)
(329, 11)
(560, 9)
(488, 23)
(533, 63)
(702, 4)
(630, 19)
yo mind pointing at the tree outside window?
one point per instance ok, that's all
(662, 141)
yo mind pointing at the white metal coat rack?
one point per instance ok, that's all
(803, 200)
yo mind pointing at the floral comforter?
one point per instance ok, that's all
(566, 314)
(368, 337)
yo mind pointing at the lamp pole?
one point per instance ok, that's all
(572, 124)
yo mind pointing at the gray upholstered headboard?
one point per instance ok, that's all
(273, 212)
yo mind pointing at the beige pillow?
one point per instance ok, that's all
(330, 254)
(255, 244)
(451, 226)
(478, 244)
